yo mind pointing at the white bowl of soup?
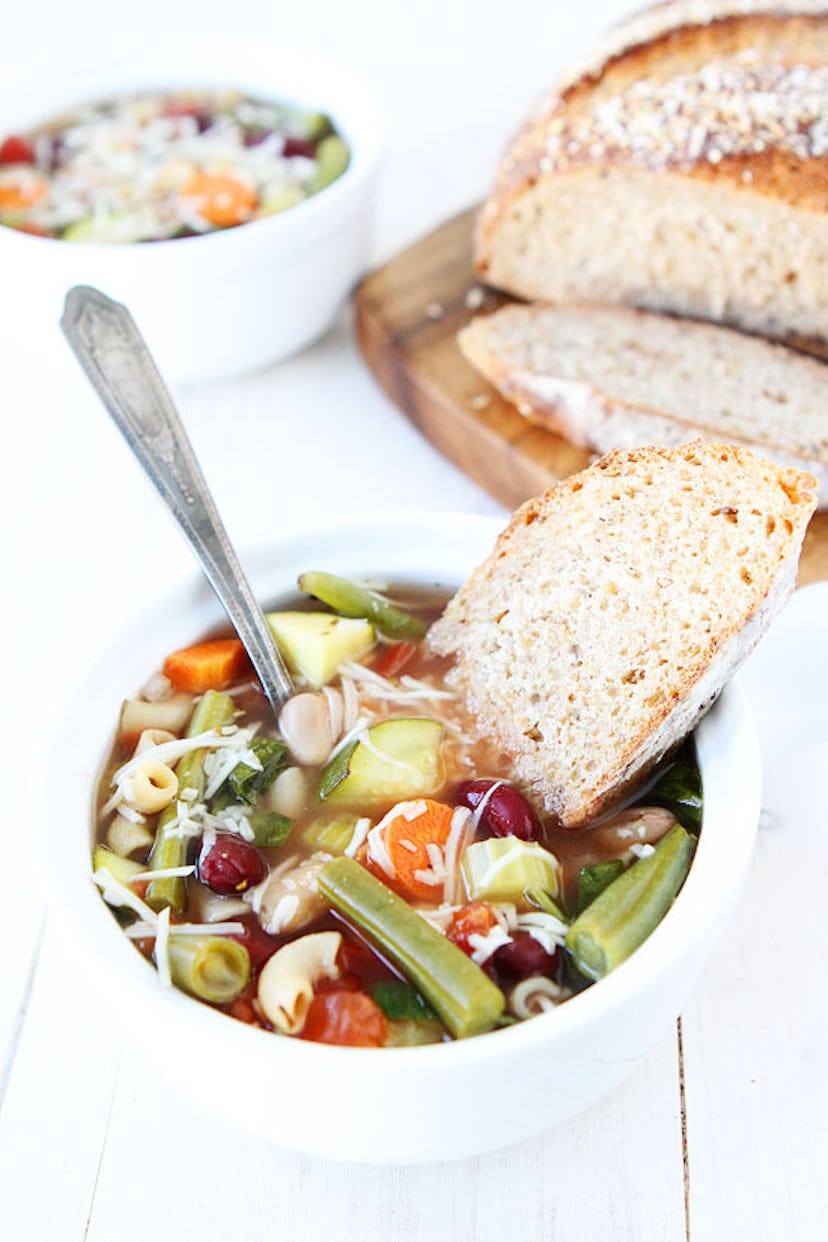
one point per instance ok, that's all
(413, 1092)
(222, 190)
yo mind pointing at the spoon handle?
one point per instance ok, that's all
(115, 357)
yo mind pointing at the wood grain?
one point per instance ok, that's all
(408, 313)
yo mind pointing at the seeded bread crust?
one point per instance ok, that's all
(614, 608)
(607, 377)
(710, 139)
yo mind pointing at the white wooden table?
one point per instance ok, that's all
(721, 1134)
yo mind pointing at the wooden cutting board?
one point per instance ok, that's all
(408, 313)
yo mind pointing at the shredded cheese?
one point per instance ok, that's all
(162, 946)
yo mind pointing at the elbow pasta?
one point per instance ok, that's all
(125, 837)
(153, 737)
(287, 979)
(152, 787)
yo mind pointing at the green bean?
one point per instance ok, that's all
(169, 850)
(464, 997)
(628, 909)
(350, 600)
(213, 968)
(247, 784)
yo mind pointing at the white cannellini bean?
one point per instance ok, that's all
(305, 724)
(287, 978)
(288, 793)
(291, 899)
(639, 825)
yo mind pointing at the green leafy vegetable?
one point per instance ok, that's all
(400, 1001)
(680, 791)
(593, 880)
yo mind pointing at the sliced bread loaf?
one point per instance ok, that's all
(610, 377)
(613, 609)
(703, 193)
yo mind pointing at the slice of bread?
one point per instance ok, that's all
(614, 608)
(610, 377)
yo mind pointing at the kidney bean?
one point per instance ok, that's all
(231, 866)
(525, 956)
(506, 813)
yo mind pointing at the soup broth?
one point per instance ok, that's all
(363, 871)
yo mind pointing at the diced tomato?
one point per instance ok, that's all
(394, 659)
(16, 150)
(346, 1018)
(36, 230)
(475, 919)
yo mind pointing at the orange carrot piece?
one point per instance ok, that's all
(406, 843)
(207, 666)
(18, 195)
(219, 198)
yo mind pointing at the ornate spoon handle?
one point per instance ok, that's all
(115, 357)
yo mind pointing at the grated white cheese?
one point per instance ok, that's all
(361, 829)
(161, 952)
(171, 752)
(483, 946)
(642, 850)
(460, 834)
(484, 802)
(116, 894)
(535, 995)
(283, 914)
(162, 873)
(147, 931)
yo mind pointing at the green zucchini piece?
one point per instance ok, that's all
(625, 913)
(464, 997)
(504, 868)
(401, 759)
(331, 835)
(121, 869)
(350, 600)
(247, 784)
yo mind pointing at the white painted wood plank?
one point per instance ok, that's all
(615, 1173)
(57, 1106)
(756, 1034)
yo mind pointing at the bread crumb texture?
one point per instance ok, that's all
(614, 607)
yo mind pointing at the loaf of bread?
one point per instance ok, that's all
(613, 609)
(608, 377)
(684, 168)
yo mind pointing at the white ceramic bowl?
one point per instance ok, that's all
(449, 1100)
(230, 301)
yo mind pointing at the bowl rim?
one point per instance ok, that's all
(365, 137)
(112, 960)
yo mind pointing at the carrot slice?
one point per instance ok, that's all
(394, 659)
(406, 841)
(221, 199)
(18, 195)
(207, 666)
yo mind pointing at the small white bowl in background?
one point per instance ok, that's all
(446, 1101)
(230, 301)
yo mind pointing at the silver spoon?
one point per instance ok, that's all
(116, 359)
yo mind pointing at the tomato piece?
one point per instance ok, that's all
(350, 1019)
(394, 659)
(258, 943)
(16, 150)
(475, 919)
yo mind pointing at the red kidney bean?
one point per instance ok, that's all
(231, 866)
(299, 146)
(525, 956)
(506, 813)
